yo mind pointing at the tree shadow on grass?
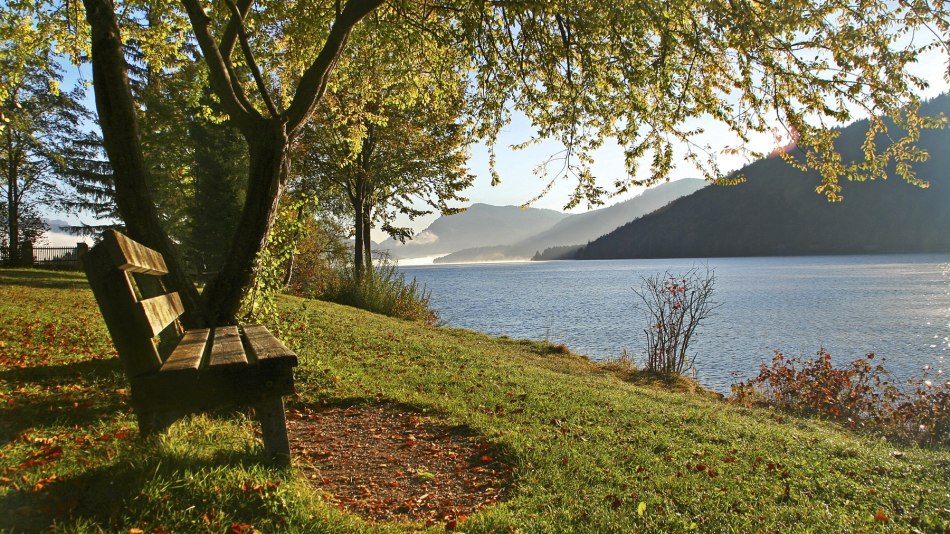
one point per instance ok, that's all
(42, 279)
(105, 495)
(78, 393)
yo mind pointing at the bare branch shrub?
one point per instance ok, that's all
(674, 306)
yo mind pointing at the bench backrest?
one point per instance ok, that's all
(125, 279)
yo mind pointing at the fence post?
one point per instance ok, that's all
(26, 254)
(81, 248)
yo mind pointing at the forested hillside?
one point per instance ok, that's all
(777, 212)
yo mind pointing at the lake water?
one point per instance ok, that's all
(895, 306)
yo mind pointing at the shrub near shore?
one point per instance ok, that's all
(861, 395)
(588, 451)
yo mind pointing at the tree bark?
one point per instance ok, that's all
(269, 167)
(367, 240)
(268, 141)
(267, 138)
(13, 219)
(120, 133)
(358, 246)
(364, 188)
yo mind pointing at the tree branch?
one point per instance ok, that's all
(231, 30)
(249, 57)
(227, 47)
(223, 81)
(314, 80)
(120, 135)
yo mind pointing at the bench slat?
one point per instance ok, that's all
(121, 314)
(132, 256)
(227, 348)
(265, 347)
(161, 311)
(187, 355)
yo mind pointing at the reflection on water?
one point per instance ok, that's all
(895, 306)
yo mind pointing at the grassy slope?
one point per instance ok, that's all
(590, 452)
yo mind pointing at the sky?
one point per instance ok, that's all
(516, 168)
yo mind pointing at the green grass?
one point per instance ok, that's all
(590, 452)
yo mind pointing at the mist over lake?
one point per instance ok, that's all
(897, 306)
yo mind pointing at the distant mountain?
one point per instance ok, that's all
(777, 212)
(58, 234)
(57, 225)
(479, 225)
(580, 228)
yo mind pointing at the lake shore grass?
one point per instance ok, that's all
(588, 450)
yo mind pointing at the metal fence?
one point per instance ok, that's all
(44, 257)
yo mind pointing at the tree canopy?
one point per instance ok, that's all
(43, 150)
(583, 72)
(390, 135)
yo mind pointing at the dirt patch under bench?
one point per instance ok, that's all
(386, 463)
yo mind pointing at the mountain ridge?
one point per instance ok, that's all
(777, 212)
(580, 228)
(479, 225)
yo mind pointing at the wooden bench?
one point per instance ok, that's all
(174, 372)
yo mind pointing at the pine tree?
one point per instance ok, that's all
(43, 147)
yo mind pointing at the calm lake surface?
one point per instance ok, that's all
(895, 306)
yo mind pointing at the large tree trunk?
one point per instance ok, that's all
(367, 239)
(359, 237)
(13, 230)
(120, 133)
(365, 188)
(269, 168)
(267, 140)
(13, 219)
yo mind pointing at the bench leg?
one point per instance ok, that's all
(154, 422)
(270, 414)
